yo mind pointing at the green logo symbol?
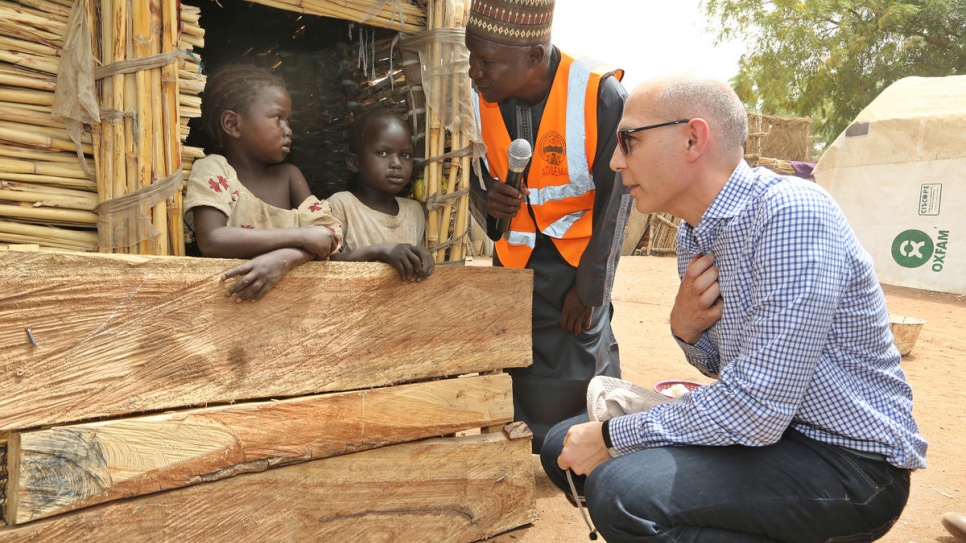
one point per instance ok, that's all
(912, 248)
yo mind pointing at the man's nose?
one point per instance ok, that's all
(618, 161)
(475, 72)
(395, 161)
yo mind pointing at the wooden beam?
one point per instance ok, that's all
(67, 468)
(450, 490)
(119, 334)
(634, 231)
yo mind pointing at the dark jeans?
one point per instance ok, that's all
(797, 490)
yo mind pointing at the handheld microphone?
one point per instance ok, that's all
(519, 156)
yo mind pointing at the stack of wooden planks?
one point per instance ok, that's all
(140, 404)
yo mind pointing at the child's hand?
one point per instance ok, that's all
(260, 274)
(319, 240)
(412, 262)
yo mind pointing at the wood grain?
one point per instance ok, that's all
(446, 490)
(70, 467)
(123, 334)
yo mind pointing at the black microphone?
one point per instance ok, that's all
(519, 156)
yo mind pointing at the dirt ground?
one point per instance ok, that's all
(643, 294)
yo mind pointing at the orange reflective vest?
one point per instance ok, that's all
(560, 179)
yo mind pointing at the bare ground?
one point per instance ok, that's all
(643, 294)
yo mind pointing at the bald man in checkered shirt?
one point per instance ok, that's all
(807, 435)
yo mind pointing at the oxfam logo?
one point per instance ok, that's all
(912, 248)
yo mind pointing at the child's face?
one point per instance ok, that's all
(385, 162)
(264, 129)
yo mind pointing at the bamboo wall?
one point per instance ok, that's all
(138, 153)
(50, 196)
(47, 196)
(122, 196)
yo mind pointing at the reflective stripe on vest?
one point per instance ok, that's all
(562, 199)
(526, 239)
(559, 228)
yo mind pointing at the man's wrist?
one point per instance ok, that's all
(605, 432)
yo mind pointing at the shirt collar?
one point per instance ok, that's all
(733, 196)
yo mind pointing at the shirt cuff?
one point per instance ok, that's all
(623, 434)
(699, 355)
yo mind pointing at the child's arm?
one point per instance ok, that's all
(263, 272)
(273, 252)
(413, 262)
(216, 239)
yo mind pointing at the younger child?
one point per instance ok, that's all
(380, 226)
(244, 202)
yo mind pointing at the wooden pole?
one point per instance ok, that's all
(118, 16)
(172, 125)
(159, 215)
(433, 133)
(143, 144)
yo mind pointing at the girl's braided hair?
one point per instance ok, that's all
(234, 87)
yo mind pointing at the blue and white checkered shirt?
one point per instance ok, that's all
(804, 339)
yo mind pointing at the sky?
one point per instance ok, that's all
(646, 38)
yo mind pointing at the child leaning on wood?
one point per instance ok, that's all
(380, 225)
(245, 202)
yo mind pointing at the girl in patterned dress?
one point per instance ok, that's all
(244, 202)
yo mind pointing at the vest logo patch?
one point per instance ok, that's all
(552, 148)
(553, 151)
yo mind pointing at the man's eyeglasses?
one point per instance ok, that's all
(623, 134)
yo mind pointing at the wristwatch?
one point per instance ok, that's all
(605, 432)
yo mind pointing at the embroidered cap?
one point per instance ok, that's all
(511, 22)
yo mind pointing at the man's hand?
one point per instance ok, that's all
(583, 449)
(698, 304)
(503, 201)
(575, 316)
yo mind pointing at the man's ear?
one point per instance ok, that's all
(536, 54)
(230, 123)
(698, 135)
(352, 162)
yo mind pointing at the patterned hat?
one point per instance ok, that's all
(511, 22)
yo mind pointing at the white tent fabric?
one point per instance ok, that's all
(899, 174)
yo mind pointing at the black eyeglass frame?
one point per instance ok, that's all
(622, 134)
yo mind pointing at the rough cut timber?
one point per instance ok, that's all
(451, 490)
(119, 334)
(70, 467)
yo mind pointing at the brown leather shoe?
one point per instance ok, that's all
(955, 523)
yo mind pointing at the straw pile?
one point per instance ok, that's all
(777, 138)
(46, 197)
(783, 167)
(48, 194)
(191, 81)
